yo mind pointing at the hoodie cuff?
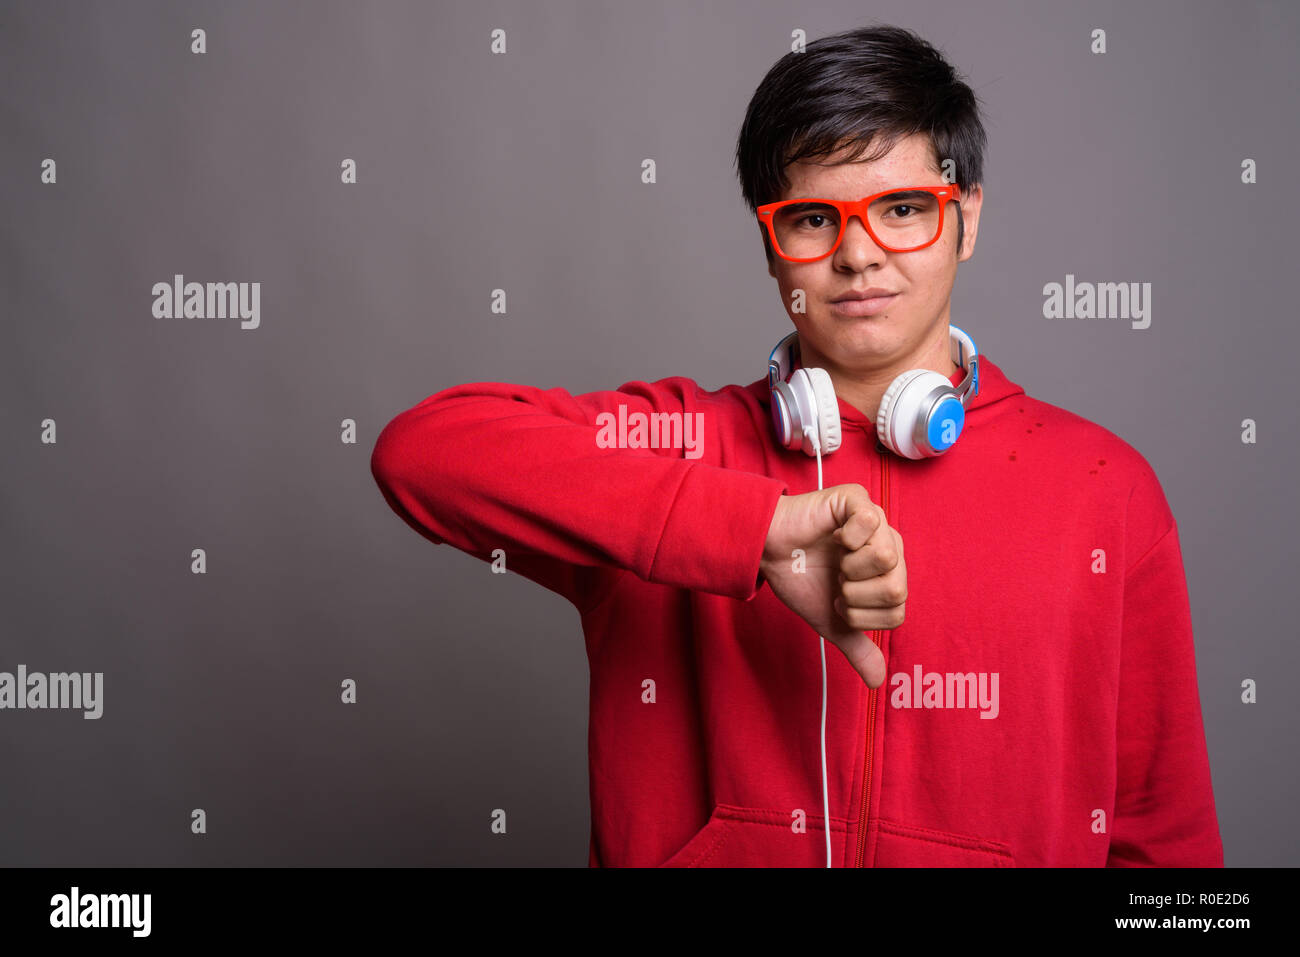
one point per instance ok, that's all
(716, 529)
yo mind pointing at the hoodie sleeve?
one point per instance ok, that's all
(496, 466)
(1164, 804)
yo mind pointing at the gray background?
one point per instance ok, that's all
(522, 171)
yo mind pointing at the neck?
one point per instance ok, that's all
(863, 388)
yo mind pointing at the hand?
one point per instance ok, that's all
(854, 576)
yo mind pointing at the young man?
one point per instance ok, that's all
(1017, 685)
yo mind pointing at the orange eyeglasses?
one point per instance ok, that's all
(806, 230)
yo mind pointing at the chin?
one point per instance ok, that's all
(861, 342)
(864, 332)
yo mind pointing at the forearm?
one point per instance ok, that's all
(512, 467)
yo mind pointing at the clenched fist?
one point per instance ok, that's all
(854, 577)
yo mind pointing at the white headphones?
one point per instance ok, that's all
(921, 414)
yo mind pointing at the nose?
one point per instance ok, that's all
(857, 249)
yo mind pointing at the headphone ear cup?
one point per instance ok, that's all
(827, 406)
(902, 407)
(785, 417)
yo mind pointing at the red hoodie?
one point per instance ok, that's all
(1041, 705)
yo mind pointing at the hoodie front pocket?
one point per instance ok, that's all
(905, 845)
(759, 837)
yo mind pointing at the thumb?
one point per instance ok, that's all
(863, 654)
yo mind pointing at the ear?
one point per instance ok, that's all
(971, 202)
(767, 251)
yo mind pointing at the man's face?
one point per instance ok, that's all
(913, 322)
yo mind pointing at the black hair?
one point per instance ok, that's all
(843, 91)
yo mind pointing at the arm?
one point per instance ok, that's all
(493, 465)
(1164, 803)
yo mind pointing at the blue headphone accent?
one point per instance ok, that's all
(945, 424)
(921, 413)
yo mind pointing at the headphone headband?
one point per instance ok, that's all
(781, 362)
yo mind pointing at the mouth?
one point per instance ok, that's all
(859, 304)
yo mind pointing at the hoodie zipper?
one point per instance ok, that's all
(876, 636)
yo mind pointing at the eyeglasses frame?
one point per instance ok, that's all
(850, 208)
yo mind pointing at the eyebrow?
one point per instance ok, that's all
(908, 194)
(899, 194)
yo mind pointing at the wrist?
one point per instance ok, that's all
(771, 547)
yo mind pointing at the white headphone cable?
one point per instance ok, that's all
(811, 433)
